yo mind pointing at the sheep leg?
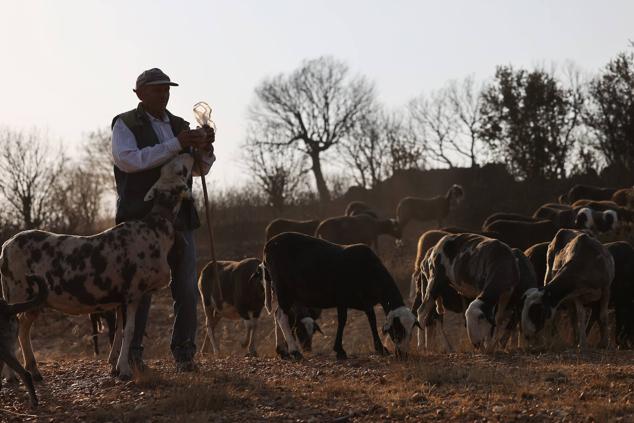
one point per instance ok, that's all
(445, 338)
(501, 316)
(603, 318)
(11, 362)
(123, 364)
(115, 347)
(252, 325)
(280, 346)
(94, 320)
(24, 335)
(342, 317)
(580, 324)
(210, 324)
(378, 345)
(282, 320)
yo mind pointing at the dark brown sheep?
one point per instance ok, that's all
(359, 207)
(424, 209)
(589, 192)
(359, 229)
(624, 198)
(278, 226)
(9, 333)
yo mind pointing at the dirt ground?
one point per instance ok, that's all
(431, 386)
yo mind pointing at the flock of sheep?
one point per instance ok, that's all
(516, 272)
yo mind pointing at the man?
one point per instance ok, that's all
(143, 139)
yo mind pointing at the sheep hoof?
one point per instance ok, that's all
(124, 377)
(33, 402)
(35, 375)
(341, 355)
(296, 355)
(114, 371)
(251, 354)
(381, 350)
(282, 353)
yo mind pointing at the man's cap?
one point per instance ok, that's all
(154, 76)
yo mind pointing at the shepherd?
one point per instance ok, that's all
(143, 139)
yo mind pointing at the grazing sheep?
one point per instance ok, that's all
(278, 226)
(523, 234)
(317, 273)
(424, 209)
(596, 205)
(589, 192)
(112, 269)
(579, 271)
(355, 208)
(621, 294)
(97, 322)
(507, 216)
(359, 229)
(243, 295)
(483, 271)
(537, 256)
(624, 198)
(448, 299)
(9, 333)
(242, 298)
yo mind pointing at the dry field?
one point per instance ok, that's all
(566, 385)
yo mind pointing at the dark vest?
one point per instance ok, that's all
(132, 187)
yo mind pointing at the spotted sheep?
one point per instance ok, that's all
(579, 272)
(86, 274)
(424, 209)
(317, 273)
(482, 270)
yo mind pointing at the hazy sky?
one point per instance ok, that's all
(70, 66)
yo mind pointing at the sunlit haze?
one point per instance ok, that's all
(69, 66)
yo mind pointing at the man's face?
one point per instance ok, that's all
(154, 97)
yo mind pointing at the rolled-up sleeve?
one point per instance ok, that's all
(130, 158)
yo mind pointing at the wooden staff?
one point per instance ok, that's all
(212, 249)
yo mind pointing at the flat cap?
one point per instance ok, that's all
(154, 76)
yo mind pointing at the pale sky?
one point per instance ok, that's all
(69, 66)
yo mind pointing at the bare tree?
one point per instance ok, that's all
(433, 122)
(97, 155)
(466, 103)
(313, 109)
(77, 203)
(279, 171)
(378, 146)
(29, 175)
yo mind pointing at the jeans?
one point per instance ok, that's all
(184, 288)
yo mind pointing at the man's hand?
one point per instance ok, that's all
(210, 133)
(192, 138)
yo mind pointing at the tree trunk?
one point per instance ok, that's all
(322, 188)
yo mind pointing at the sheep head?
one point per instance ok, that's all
(399, 326)
(171, 187)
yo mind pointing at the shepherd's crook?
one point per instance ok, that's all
(212, 250)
